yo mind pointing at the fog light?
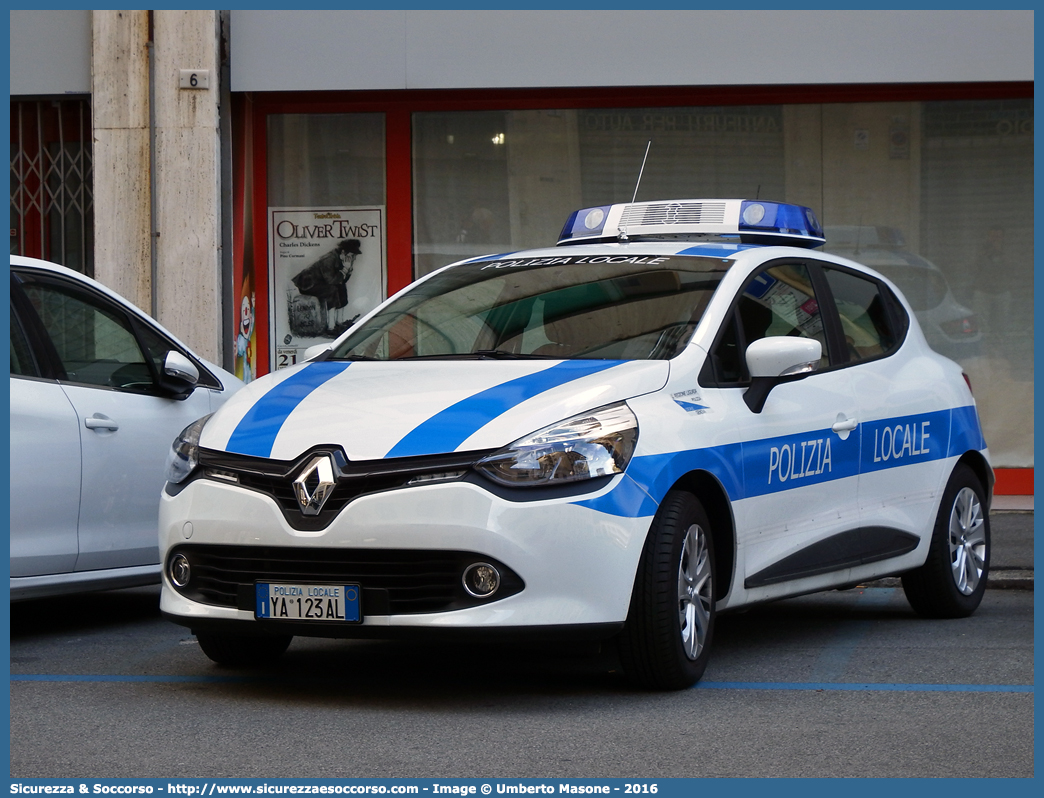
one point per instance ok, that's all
(180, 570)
(481, 580)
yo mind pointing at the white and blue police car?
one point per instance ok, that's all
(680, 409)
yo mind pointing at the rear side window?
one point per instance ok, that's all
(871, 317)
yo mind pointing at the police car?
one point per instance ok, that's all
(680, 409)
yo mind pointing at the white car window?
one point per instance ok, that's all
(779, 300)
(869, 328)
(567, 307)
(95, 344)
(22, 362)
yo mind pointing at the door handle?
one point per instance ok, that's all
(98, 421)
(844, 425)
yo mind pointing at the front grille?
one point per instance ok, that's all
(394, 582)
(660, 213)
(354, 479)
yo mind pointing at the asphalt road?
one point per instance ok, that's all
(838, 684)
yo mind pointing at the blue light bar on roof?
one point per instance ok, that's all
(780, 219)
(585, 223)
(752, 221)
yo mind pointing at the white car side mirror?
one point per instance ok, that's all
(777, 359)
(783, 356)
(177, 365)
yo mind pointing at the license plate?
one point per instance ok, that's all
(329, 603)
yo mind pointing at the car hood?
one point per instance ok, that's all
(375, 410)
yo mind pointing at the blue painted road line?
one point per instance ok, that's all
(126, 679)
(850, 634)
(868, 688)
(798, 686)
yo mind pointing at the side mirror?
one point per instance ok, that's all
(180, 374)
(775, 360)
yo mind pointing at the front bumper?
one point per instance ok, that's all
(576, 565)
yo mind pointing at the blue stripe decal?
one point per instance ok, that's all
(256, 433)
(965, 431)
(763, 467)
(720, 251)
(447, 430)
(900, 441)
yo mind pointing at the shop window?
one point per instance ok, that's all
(938, 196)
(317, 160)
(52, 191)
(326, 223)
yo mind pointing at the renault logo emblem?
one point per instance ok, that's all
(314, 484)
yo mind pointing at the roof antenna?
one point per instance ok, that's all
(757, 196)
(640, 171)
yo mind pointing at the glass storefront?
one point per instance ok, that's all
(937, 195)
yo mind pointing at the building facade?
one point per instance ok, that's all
(220, 168)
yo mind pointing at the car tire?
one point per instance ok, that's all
(952, 580)
(242, 650)
(666, 641)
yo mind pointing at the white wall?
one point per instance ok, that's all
(418, 49)
(51, 52)
(423, 49)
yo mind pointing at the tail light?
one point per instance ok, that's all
(963, 326)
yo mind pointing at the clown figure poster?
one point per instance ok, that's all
(327, 268)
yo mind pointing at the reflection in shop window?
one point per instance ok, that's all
(938, 196)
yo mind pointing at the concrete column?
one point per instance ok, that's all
(187, 174)
(120, 89)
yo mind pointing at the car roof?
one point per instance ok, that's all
(656, 247)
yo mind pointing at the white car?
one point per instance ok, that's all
(97, 391)
(679, 410)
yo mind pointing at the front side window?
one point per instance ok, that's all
(94, 342)
(629, 307)
(779, 300)
(23, 364)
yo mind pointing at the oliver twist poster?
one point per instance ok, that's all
(327, 268)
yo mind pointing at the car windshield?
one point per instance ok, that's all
(619, 307)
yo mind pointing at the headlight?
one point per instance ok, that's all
(183, 456)
(594, 444)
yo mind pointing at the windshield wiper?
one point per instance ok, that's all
(328, 355)
(502, 354)
(480, 354)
